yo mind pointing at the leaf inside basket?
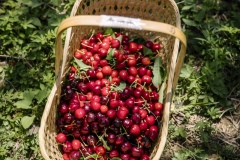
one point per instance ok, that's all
(82, 65)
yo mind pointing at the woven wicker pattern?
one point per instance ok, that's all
(154, 10)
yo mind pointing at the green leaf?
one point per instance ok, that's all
(147, 51)
(29, 95)
(186, 71)
(189, 22)
(109, 31)
(120, 38)
(161, 91)
(115, 158)
(27, 121)
(122, 85)
(41, 95)
(36, 22)
(157, 79)
(193, 84)
(179, 156)
(199, 17)
(82, 65)
(139, 40)
(24, 104)
(56, 2)
(110, 54)
(182, 132)
(186, 7)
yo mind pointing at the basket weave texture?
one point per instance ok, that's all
(162, 11)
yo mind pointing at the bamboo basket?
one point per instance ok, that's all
(156, 20)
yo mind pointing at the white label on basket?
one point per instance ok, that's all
(121, 22)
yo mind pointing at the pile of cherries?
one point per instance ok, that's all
(109, 106)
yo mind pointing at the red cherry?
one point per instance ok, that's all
(133, 47)
(111, 113)
(122, 113)
(105, 91)
(150, 120)
(136, 152)
(156, 47)
(67, 147)
(95, 106)
(146, 79)
(146, 61)
(78, 54)
(105, 45)
(113, 153)
(145, 157)
(139, 47)
(76, 144)
(132, 71)
(100, 150)
(142, 71)
(103, 62)
(143, 125)
(123, 74)
(143, 113)
(114, 73)
(99, 75)
(131, 61)
(158, 106)
(149, 44)
(99, 36)
(61, 138)
(74, 155)
(153, 133)
(115, 43)
(107, 70)
(135, 130)
(80, 113)
(104, 109)
(65, 156)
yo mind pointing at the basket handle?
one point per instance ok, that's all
(121, 22)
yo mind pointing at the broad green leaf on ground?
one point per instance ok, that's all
(41, 95)
(182, 132)
(82, 65)
(179, 156)
(27, 121)
(218, 87)
(27, 100)
(186, 71)
(187, 7)
(189, 22)
(24, 104)
(29, 95)
(157, 79)
(36, 21)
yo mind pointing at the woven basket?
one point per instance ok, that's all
(156, 20)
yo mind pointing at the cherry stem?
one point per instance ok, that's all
(86, 45)
(99, 40)
(80, 51)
